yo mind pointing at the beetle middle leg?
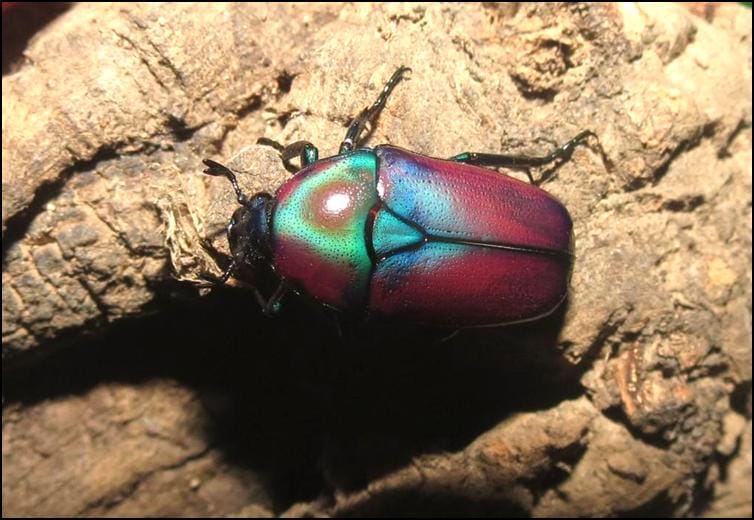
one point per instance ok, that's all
(523, 161)
(271, 306)
(370, 114)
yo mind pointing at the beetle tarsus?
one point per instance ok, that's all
(272, 305)
(524, 161)
(566, 150)
(371, 113)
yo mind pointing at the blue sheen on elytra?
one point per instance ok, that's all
(461, 202)
(415, 193)
(390, 233)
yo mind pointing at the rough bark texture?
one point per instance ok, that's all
(635, 398)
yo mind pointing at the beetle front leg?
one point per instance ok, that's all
(306, 152)
(212, 281)
(523, 161)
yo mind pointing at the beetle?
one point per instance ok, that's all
(391, 233)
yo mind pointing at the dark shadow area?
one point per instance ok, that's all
(405, 504)
(740, 399)
(20, 21)
(288, 398)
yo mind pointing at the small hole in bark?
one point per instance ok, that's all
(285, 81)
(740, 399)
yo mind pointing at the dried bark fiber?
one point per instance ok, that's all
(634, 399)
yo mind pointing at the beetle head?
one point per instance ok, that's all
(249, 231)
(249, 228)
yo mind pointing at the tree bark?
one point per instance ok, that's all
(129, 393)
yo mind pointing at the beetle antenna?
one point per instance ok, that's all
(216, 169)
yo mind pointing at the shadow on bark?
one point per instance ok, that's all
(290, 400)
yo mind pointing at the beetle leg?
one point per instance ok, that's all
(523, 161)
(232, 266)
(264, 141)
(450, 336)
(304, 150)
(220, 280)
(338, 328)
(212, 281)
(272, 305)
(370, 114)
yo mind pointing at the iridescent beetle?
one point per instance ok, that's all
(391, 233)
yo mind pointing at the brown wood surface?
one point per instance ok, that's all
(128, 393)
